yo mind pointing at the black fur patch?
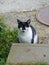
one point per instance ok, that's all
(33, 33)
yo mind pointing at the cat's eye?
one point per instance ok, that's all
(27, 25)
(19, 25)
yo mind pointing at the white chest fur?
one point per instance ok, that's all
(25, 37)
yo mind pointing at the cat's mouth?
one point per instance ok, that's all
(23, 30)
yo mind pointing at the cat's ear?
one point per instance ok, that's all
(28, 21)
(18, 21)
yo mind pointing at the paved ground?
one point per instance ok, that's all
(23, 53)
(21, 5)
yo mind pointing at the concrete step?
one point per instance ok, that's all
(24, 53)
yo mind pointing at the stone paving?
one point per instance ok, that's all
(21, 5)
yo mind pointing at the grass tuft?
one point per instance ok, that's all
(7, 37)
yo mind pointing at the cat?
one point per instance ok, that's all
(26, 32)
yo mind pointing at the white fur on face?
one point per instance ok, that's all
(26, 29)
(20, 28)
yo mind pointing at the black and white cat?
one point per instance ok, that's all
(26, 32)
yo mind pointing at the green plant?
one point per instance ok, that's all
(7, 37)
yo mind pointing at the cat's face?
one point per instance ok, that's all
(23, 26)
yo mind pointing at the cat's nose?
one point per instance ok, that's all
(23, 28)
(23, 31)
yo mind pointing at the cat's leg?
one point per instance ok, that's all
(32, 41)
(36, 39)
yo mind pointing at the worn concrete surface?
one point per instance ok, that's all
(23, 53)
(21, 5)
